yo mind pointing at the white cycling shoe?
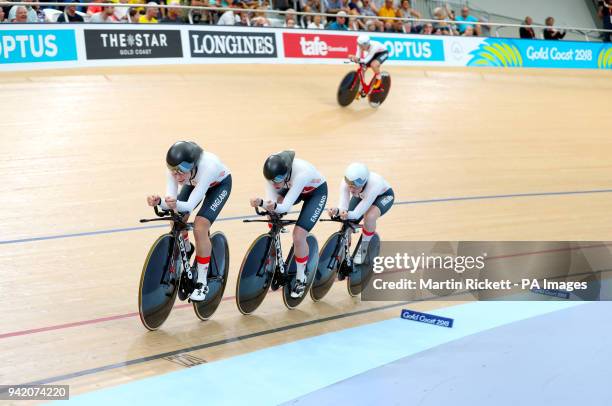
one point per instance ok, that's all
(199, 293)
(361, 254)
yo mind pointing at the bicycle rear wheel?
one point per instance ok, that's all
(362, 273)
(311, 270)
(217, 277)
(376, 98)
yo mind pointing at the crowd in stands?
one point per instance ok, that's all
(381, 16)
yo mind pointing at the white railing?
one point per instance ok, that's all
(190, 9)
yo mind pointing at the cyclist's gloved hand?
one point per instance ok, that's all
(256, 202)
(170, 202)
(270, 205)
(332, 211)
(153, 200)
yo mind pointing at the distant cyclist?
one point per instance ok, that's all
(292, 180)
(202, 177)
(370, 198)
(372, 54)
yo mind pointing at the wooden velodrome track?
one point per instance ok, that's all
(80, 150)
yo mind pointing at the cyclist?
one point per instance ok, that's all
(370, 198)
(203, 178)
(373, 55)
(292, 180)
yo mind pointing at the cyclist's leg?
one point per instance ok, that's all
(381, 205)
(376, 63)
(213, 203)
(309, 216)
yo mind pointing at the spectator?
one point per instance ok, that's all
(354, 24)
(369, 9)
(427, 29)
(387, 10)
(150, 16)
(2, 19)
(201, 16)
(173, 15)
(398, 26)
(72, 15)
(605, 12)
(450, 13)
(442, 27)
(371, 25)
(228, 17)
(377, 4)
(141, 10)
(260, 19)
(340, 23)
(316, 23)
(91, 10)
(31, 15)
(406, 11)
(133, 15)
(309, 6)
(527, 32)
(290, 16)
(40, 15)
(469, 31)
(107, 15)
(551, 32)
(333, 6)
(121, 13)
(466, 20)
(243, 20)
(21, 14)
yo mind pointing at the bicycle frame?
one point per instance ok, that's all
(177, 228)
(343, 244)
(278, 226)
(185, 259)
(280, 262)
(365, 87)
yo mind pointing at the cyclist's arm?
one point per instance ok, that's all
(271, 193)
(343, 202)
(292, 195)
(367, 57)
(196, 196)
(363, 205)
(171, 189)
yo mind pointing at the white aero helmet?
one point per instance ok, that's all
(356, 174)
(363, 40)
